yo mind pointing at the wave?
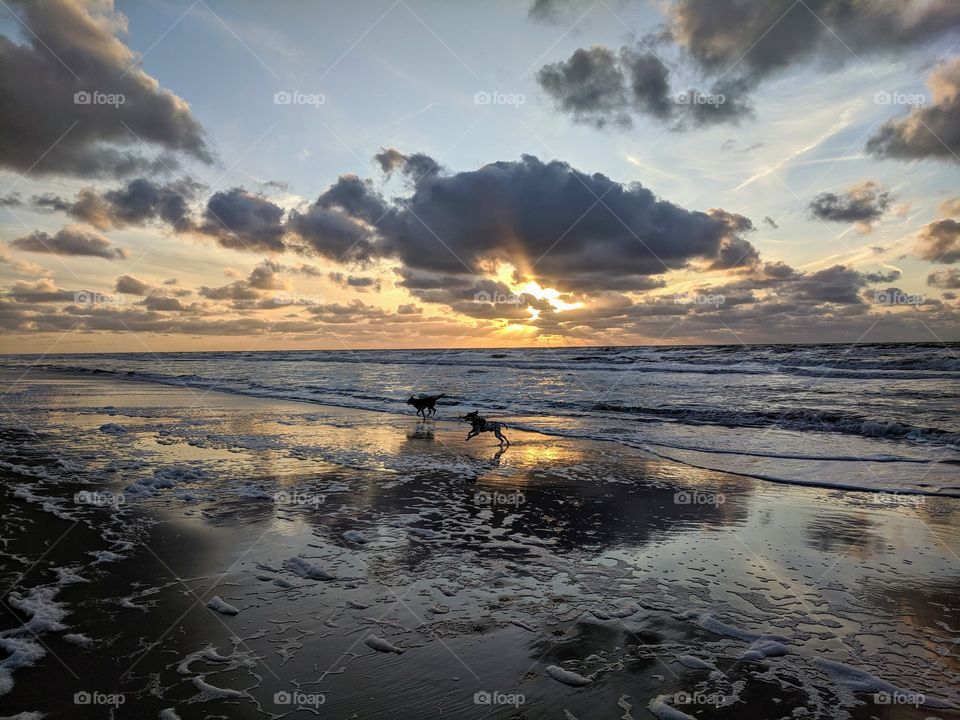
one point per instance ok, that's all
(797, 419)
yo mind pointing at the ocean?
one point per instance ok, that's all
(879, 417)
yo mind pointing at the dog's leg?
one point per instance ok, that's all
(471, 434)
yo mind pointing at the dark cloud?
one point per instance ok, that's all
(130, 285)
(357, 282)
(863, 203)
(932, 131)
(882, 277)
(162, 303)
(355, 197)
(264, 276)
(409, 309)
(571, 230)
(649, 83)
(946, 279)
(71, 240)
(555, 10)
(238, 290)
(241, 220)
(40, 291)
(332, 234)
(70, 47)
(838, 284)
(599, 88)
(590, 85)
(355, 311)
(735, 45)
(138, 202)
(11, 200)
(414, 166)
(939, 241)
(771, 222)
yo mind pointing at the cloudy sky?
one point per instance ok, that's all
(191, 175)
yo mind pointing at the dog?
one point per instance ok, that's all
(480, 424)
(425, 404)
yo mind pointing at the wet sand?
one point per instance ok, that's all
(382, 567)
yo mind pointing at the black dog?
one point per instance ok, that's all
(481, 425)
(425, 404)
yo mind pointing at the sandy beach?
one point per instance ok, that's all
(362, 561)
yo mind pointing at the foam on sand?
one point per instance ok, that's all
(218, 692)
(298, 566)
(567, 677)
(660, 709)
(381, 645)
(222, 606)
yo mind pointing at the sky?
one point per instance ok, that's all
(198, 175)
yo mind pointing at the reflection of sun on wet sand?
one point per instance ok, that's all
(375, 562)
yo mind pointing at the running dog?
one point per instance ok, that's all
(481, 425)
(425, 404)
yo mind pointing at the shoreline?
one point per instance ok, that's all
(484, 568)
(662, 450)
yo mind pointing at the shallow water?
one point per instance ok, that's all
(881, 417)
(649, 578)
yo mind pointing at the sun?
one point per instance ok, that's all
(550, 295)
